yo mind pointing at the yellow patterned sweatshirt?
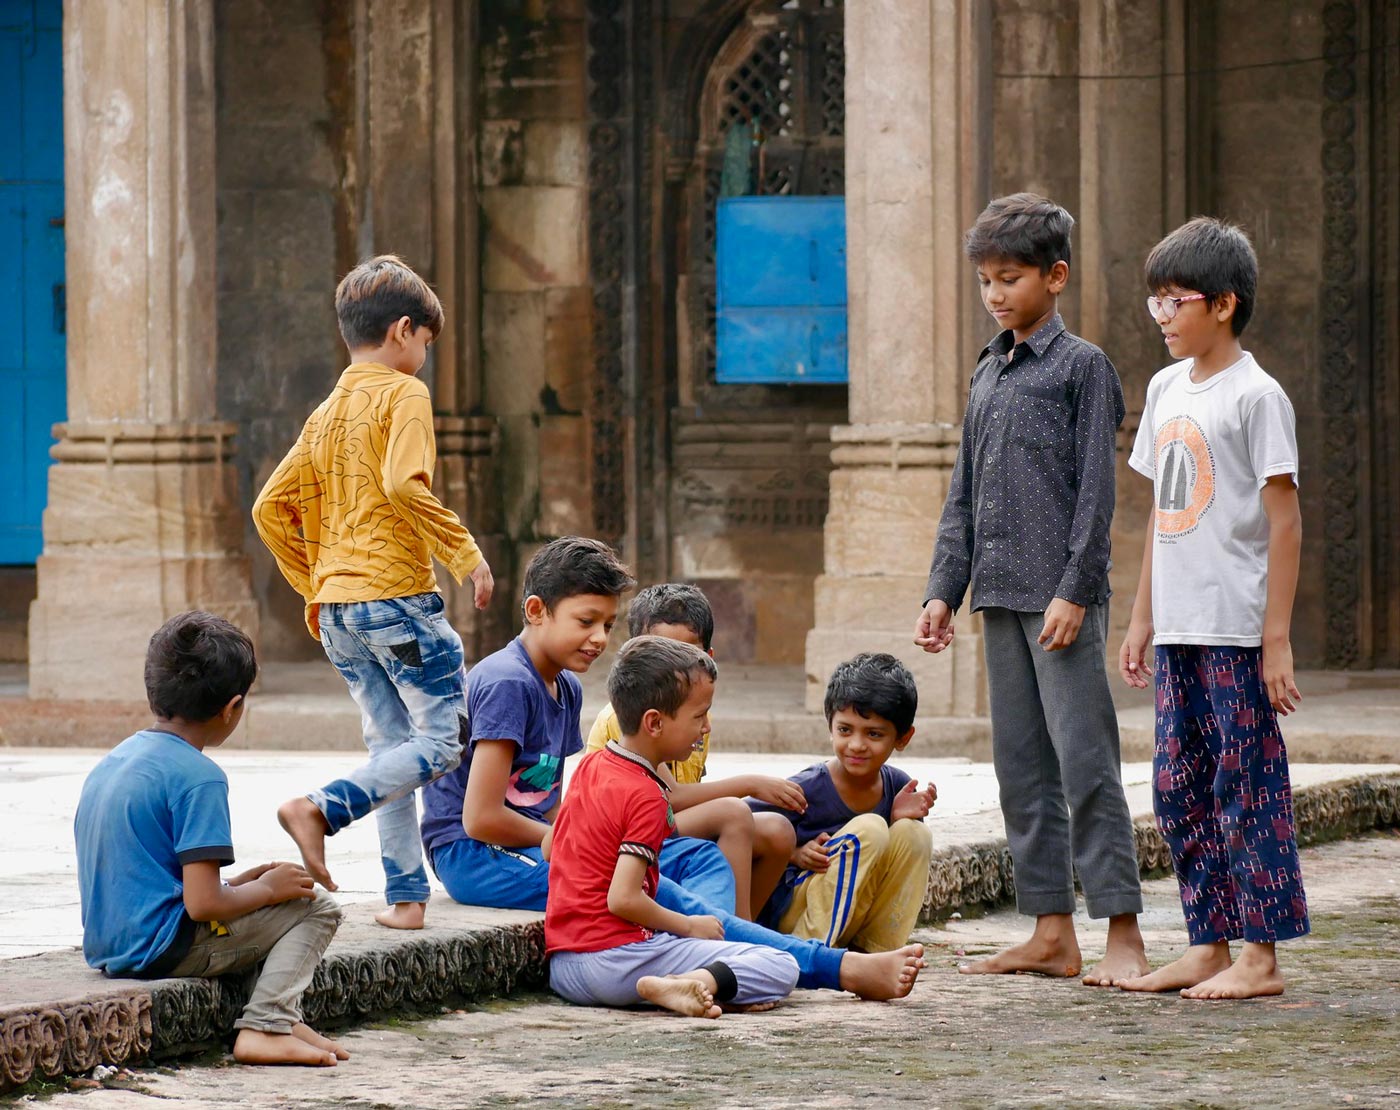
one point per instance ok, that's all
(349, 514)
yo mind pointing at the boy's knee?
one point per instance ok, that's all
(773, 834)
(325, 908)
(912, 836)
(870, 829)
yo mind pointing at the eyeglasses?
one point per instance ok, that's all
(1167, 307)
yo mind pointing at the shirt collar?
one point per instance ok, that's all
(632, 757)
(1004, 342)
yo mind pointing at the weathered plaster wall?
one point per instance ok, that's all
(280, 180)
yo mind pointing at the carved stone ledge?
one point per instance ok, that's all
(980, 875)
(121, 442)
(171, 1017)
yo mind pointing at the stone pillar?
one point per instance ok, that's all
(143, 519)
(913, 182)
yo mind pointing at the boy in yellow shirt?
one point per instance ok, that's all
(352, 521)
(757, 846)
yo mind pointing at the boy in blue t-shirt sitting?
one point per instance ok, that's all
(860, 869)
(152, 831)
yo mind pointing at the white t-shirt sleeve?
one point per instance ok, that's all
(1270, 433)
(1144, 455)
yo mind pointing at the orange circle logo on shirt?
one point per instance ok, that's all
(1185, 484)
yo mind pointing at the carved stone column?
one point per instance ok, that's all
(912, 184)
(143, 519)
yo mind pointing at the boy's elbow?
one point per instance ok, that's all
(198, 909)
(619, 904)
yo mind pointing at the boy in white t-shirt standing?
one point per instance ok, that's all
(1215, 597)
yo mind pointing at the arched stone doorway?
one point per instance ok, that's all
(746, 466)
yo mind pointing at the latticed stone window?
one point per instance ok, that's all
(782, 71)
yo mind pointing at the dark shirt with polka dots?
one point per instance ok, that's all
(1031, 498)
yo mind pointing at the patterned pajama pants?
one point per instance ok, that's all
(1222, 797)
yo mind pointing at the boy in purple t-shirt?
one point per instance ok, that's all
(860, 869)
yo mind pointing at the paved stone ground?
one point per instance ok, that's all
(1015, 1041)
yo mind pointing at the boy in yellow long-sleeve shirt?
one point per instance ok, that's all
(352, 521)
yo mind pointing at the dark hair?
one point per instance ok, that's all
(873, 684)
(672, 603)
(196, 664)
(1210, 257)
(573, 565)
(652, 672)
(377, 293)
(1024, 227)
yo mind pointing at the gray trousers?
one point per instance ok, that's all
(290, 937)
(1056, 753)
(609, 977)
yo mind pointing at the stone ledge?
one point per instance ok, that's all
(979, 875)
(73, 1019)
(124, 1021)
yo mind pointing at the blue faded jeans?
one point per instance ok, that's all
(404, 666)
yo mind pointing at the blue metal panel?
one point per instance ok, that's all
(33, 301)
(781, 289)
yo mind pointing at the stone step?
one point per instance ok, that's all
(59, 1017)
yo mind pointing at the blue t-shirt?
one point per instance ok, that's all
(154, 804)
(507, 700)
(826, 813)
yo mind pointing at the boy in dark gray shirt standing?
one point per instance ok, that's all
(1026, 524)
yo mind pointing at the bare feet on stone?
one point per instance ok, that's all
(1124, 956)
(402, 915)
(687, 997)
(881, 976)
(305, 825)
(304, 1032)
(256, 1047)
(1052, 950)
(1254, 975)
(1201, 962)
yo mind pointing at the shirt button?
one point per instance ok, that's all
(988, 544)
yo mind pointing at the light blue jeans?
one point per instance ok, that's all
(404, 666)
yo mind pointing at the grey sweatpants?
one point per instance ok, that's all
(1055, 749)
(289, 936)
(609, 977)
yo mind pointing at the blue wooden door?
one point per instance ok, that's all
(781, 289)
(33, 303)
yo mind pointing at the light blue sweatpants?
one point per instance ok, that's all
(609, 978)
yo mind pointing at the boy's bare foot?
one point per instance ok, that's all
(1254, 975)
(1123, 958)
(402, 915)
(1052, 950)
(1199, 963)
(305, 825)
(679, 995)
(881, 976)
(310, 1036)
(750, 1008)
(256, 1047)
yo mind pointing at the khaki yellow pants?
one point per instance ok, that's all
(870, 895)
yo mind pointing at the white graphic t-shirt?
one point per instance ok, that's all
(1209, 449)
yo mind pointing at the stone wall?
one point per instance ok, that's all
(535, 290)
(284, 240)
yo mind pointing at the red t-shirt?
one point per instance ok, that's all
(615, 805)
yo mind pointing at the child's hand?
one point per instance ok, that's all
(812, 855)
(1276, 669)
(313, 619)
(547, 843)
(703, 926)
(934, 630)
(287, 882)
(783, 793)
(912, 802)
(252, 874)
(484, 585)
(1134, 662)
(1061, 627)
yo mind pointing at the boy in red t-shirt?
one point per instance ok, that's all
(609, 941)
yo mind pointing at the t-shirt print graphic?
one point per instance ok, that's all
(1185, 477)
